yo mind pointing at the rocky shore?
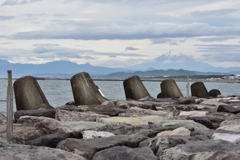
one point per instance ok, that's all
(167, 128)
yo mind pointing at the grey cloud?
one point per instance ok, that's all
(18, 2)
(216, 39)
(220, 12)
(4, 18)
(54, 50)
(131, 48)
(220, 53)
(165, 40)
(96, 30)
(117, 54)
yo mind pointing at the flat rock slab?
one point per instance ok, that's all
(193, 113)
(99, 109)
(90, 134)
(202, 150)
(87, 148)
(139, 112)
(24, 152)
(125, 153)
(131, 120)
(233, 138)
(64, 115)
(51, 125)
(50, 113)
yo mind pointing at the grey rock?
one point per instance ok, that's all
(51, 140)
(201, 150)
(227, 108)
(87, 148)
(123, 152)
(25, 152)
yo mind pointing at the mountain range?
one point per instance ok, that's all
(177, 60)
(172, 63)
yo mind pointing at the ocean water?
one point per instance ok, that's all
(58, 92)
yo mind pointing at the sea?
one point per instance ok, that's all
(59, 92)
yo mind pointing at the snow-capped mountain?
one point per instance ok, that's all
(176, 60)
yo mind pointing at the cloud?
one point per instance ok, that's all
(4, 18)
(116, 54)
(216, 39)
(219, 12)
(18, 2)
(131, 48)
(220, 52)
(97, 30)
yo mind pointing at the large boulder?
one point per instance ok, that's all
(87, 148)
(51, 140)
(25, 152)
(123, 152)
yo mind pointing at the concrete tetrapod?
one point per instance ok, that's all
(84, 90)
(134, 88)
(199, 90)
(28, 94)
(170, 89)
(214, 93)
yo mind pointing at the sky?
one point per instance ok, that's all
(119, 33)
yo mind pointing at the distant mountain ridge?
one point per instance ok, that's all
(53, 68)
(177, 60)
(172, 63)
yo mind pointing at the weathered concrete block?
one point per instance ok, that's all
(85, 92)
(170, 89)
(134, 88)
(199, 90)
(28, 94)
(214, 93)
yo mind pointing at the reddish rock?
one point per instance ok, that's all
(22, 134)
(64, 115)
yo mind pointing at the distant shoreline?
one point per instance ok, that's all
(150, 80)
